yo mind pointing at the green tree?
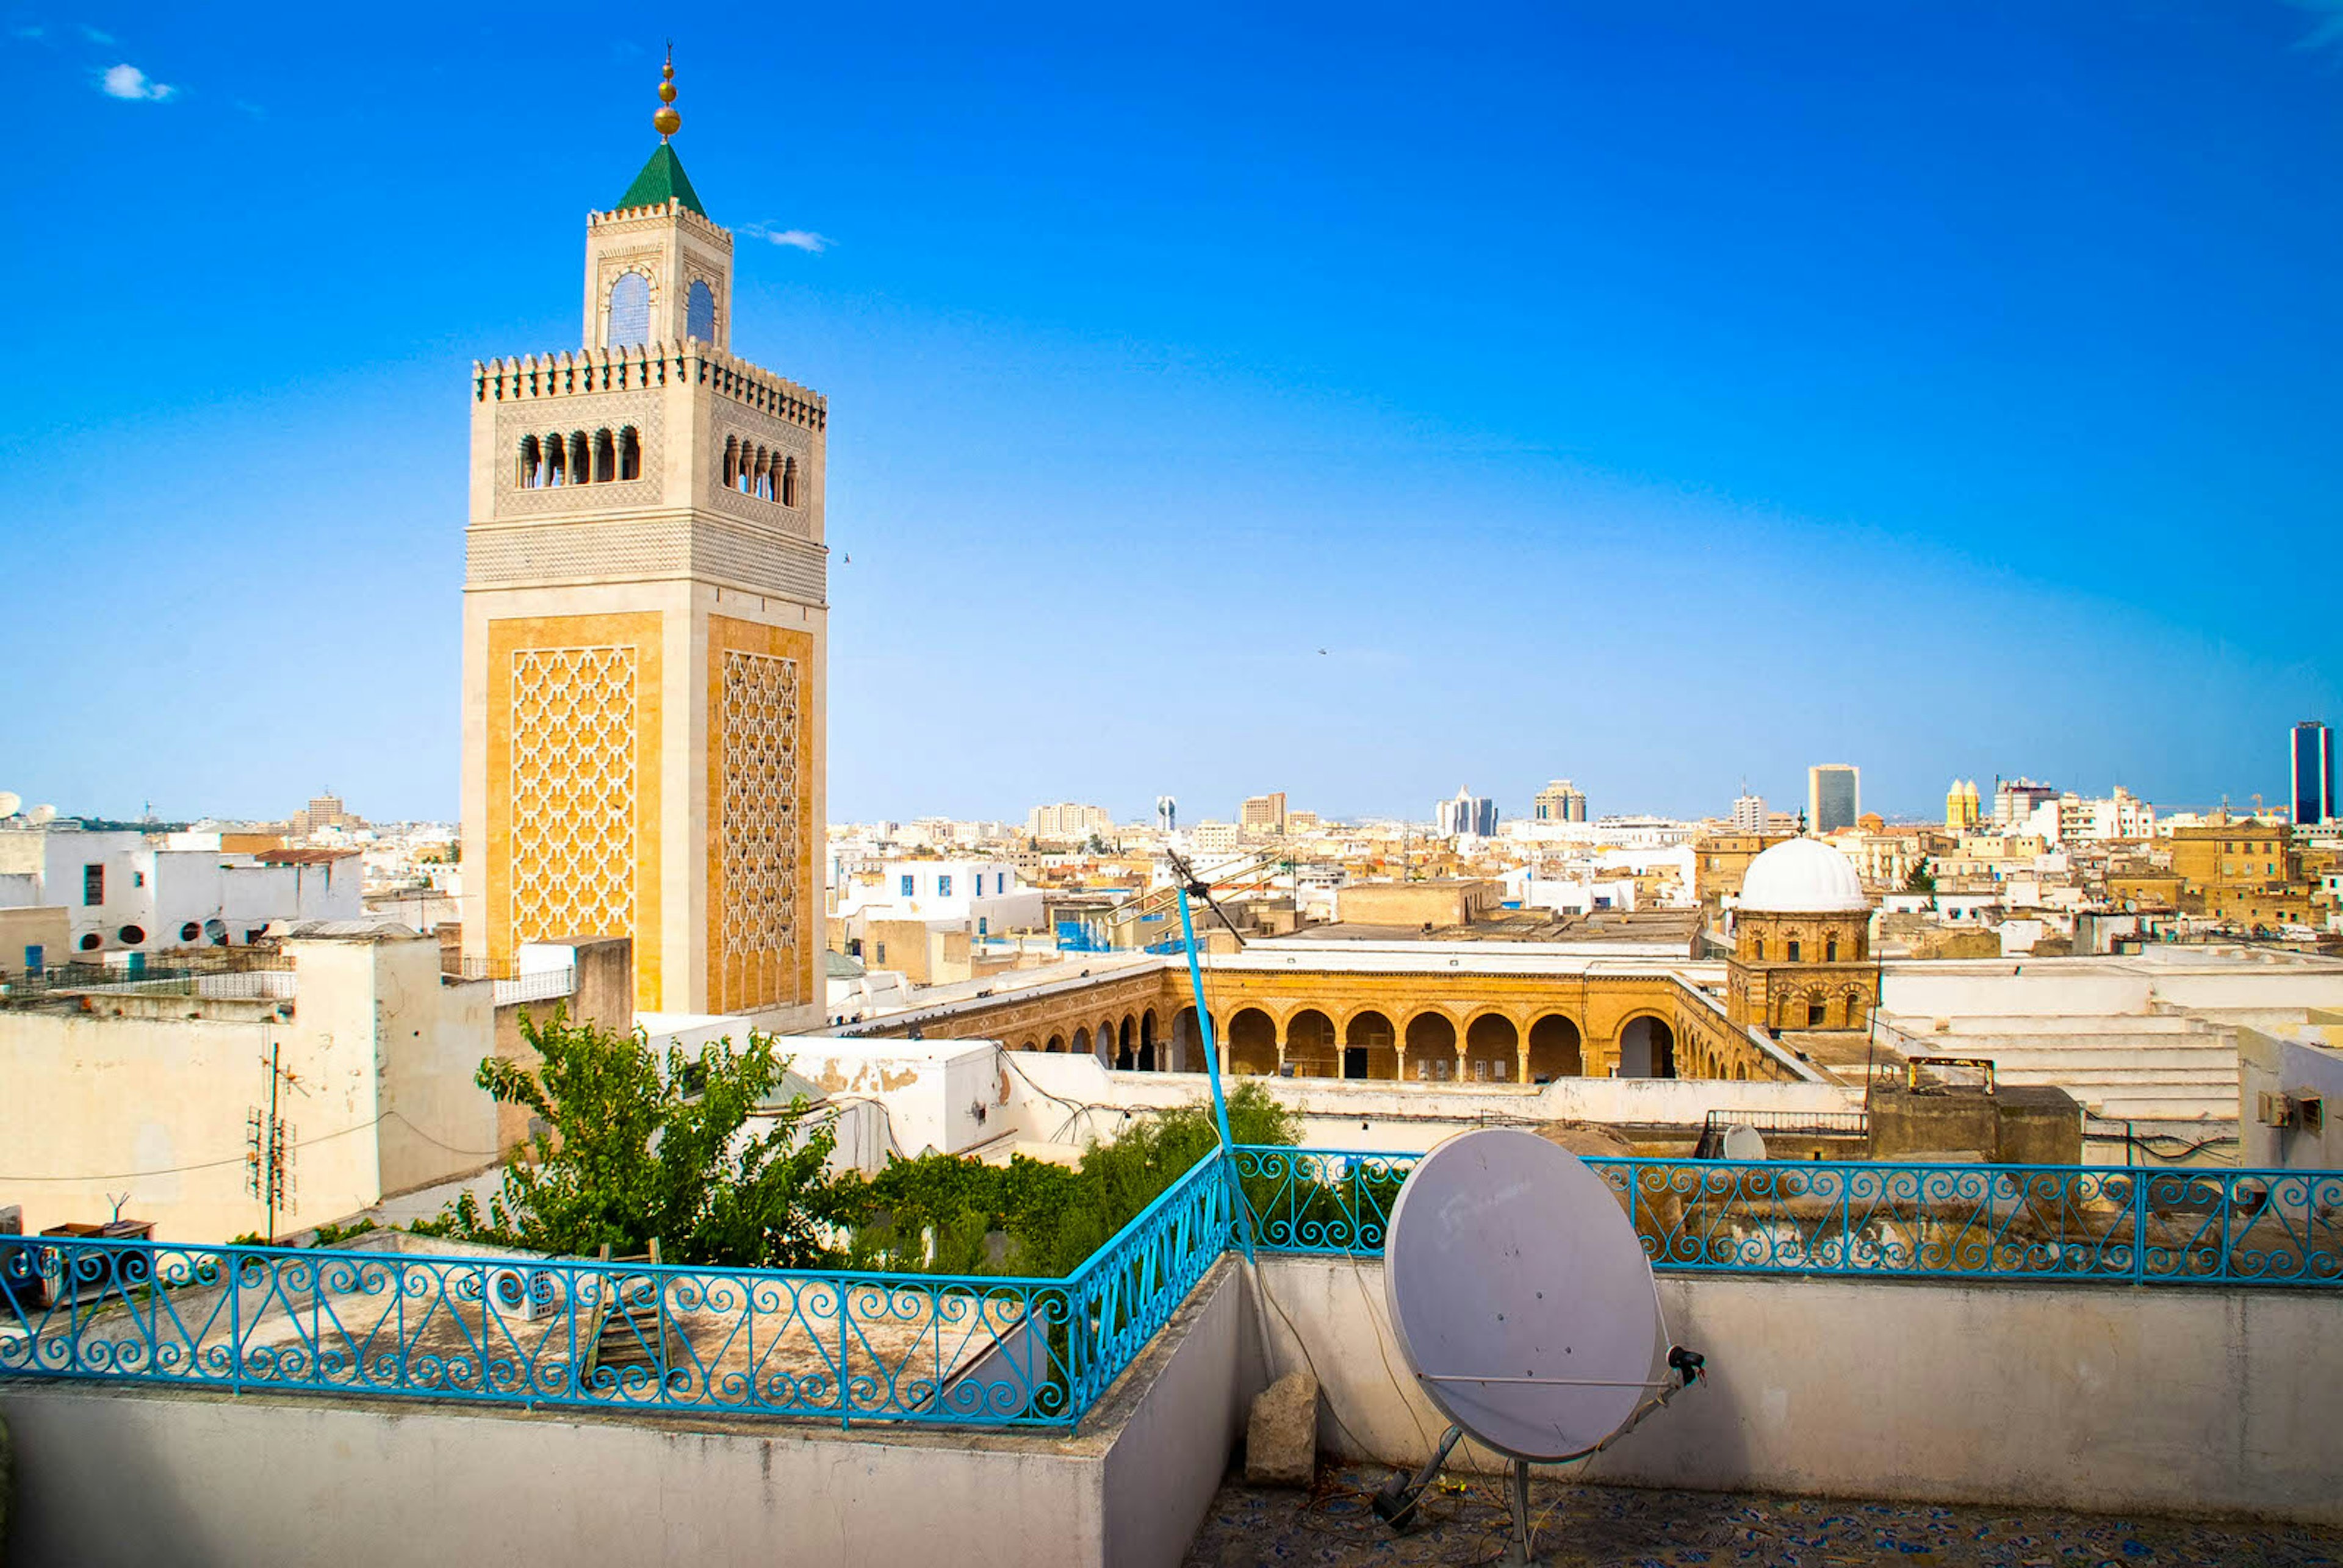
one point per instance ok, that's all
(633, 1147)
(1921, 880)
(937, 1212)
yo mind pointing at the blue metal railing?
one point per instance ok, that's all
(2162, 1226)
(526, 1330)
(1128, 1289)
(1014, 1352)
(966, 1349)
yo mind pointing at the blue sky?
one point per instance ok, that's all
(1653, 395)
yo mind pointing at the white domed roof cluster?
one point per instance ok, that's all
(1803, 877)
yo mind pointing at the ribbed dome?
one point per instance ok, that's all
(1803, 877)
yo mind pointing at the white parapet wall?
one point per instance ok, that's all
(1075, 1099)
(137, 1476)
(2174, 1398)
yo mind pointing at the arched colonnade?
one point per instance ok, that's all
(1427, 1044)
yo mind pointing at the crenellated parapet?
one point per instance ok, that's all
(594, 370)
(628, 219)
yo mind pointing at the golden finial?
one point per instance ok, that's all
(665, 119)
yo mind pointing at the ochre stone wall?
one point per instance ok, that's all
(1337, 1024)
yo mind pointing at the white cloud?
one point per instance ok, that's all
(2325, 26)
(130, 82)
(797, 240)
(30, 35)
(95, 35)
(802, 240)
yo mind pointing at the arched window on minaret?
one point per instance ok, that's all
(731, 462)
(630, 454)
(557, 459)
(532, 463)
(581, 458)
(764, 475)
(699, 312)
(630, 311)
(606, 455)
(789, 483)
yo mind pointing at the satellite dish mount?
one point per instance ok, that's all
(1523, 1301)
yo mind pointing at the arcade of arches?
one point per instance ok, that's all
(1426, 1028)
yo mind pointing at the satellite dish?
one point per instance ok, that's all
(1523, 1302)
(9, 802)
(41, 816)
(1742, 1143)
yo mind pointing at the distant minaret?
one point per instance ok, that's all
(645, 631)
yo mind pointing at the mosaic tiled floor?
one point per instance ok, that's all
(1638, 1529)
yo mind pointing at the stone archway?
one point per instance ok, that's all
(1556, 1049)
(1492, 1050)
(1370, 1046)
(1252, 1043)
(1647, 1048)
(1126, 1047)
(1187, 1041)
(1082, 1044)
(1149, 1059)
(1431, 1048)
(1056, 1043)
(1310, 1049)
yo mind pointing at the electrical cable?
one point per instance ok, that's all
(216, 1164)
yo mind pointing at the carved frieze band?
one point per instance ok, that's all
(711, 549)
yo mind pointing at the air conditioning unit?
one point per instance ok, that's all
(532, 1293)
(2275, 1111)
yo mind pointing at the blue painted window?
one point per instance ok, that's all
(911, 886)
(943, 887)
(699, 312)
(630, 311)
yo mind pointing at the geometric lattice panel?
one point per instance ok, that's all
(757, 826)
(573, 792)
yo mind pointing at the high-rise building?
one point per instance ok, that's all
(2016, 799)
(1067, 820)
(1749, 813)
(1467, 813)
(323, 811)
(2314, 773)
(1963, 806)
(1834, 796)
(1560, 802)
(646, 620)
(1262, 813)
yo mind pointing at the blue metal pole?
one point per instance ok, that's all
(1237, 1208)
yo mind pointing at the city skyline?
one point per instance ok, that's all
(1707, 491)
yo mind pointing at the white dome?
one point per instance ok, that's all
(1803, 877)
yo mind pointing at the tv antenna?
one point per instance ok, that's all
(1523, 1302)
(270, 1143)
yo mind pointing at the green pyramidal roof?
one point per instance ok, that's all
(661, 178)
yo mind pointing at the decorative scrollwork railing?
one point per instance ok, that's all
(528, 1329)
(1007, 1351)
(1128, 1289)
(2160, 1226)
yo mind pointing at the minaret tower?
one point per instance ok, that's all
(645, 630)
